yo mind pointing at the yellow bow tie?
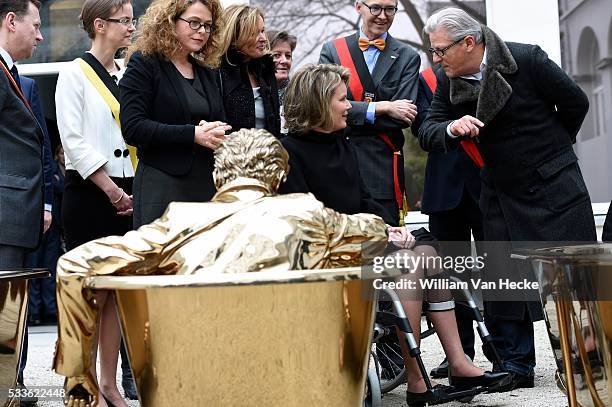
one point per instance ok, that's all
(378, 43)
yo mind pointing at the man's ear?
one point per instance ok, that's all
(470, 42)
(9, 21)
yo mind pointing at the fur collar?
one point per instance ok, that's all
(493, 91)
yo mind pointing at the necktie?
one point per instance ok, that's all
(15, 75)
(364, 43)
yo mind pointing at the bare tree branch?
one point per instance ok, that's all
(471, 11)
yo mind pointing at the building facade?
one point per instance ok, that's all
(586, 51)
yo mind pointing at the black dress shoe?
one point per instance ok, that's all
(34, 320)
(514, 381)
(437, 395)
(49, 319)
(440, 372)
(487, 379)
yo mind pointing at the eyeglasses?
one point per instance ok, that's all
(375, 10)
(195, 25)
(126, 21)
(440, 52)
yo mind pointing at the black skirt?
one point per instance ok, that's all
(87, 213)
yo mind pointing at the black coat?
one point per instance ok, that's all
(238, 93)
(532, 188)
(155, 115)
(448, 175)
(325, 165)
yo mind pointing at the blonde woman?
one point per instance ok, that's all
(322, 163)
(98, 181)
(250, 91)
(171, 105)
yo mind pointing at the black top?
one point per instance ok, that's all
(157, 116)
(197, 103)
(238, 92)
(325, 165)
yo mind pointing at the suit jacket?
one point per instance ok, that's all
(30, 91)
(448, 175)
(155, 114)
(532, 112)
(21, 170)
(238, 93)
(395, 77)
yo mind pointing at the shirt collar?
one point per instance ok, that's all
(383, 36)
(7, 58)
(483, 64)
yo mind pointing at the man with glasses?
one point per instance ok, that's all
(524, 113)
(383, 88)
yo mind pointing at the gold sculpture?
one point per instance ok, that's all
(245, 228)
(575, 286)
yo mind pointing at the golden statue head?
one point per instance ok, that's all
(251, 153)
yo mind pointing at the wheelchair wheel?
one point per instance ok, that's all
(389, 365)
(372, 396)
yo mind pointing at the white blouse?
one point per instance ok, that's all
(90, 135)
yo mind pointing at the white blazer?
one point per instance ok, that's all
(90, 135)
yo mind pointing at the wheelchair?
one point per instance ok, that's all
(386, 370)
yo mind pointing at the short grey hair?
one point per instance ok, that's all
(457, 23)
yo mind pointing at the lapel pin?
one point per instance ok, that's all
(393, 56)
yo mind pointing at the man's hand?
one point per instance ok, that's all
(467, 126)
(47, 218)
(402, 109)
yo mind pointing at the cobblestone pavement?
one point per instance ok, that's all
(42, 339)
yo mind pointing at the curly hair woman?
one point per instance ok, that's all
(172, 109)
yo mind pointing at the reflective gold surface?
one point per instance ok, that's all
(215, 308)
(575, 283)
(13, 306)
(290, 344)
(13, 314)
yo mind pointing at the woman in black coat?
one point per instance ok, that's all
(322, 163)
(248, 81)
(171, 107)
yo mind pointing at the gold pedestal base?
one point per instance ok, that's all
(295, 344)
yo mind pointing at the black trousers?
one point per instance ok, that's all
(454, 229)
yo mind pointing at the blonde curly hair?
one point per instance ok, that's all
(156, 32)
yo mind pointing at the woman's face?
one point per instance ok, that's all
(256, 46)
(117, 33)
(283, 58)
(193, 40)
(339, 107)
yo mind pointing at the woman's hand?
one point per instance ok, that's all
(211, 134)
(401, 237)
(122, 202)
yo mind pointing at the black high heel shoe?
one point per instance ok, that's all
(108, 402)
(487, 379)
(437, 395)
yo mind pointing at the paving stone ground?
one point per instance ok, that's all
(545, 394)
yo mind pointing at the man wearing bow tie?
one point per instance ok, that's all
(383, 88)
(21, 179)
